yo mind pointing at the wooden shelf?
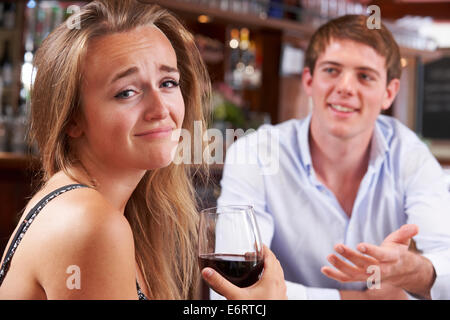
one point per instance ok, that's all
(441, 150)
(14, 161)
(292, 28)
(7, 33)
(247, 19)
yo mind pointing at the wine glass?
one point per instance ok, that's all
(230, 243)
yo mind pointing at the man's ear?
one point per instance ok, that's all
(74, 129)
(307, 79)
(391, 92)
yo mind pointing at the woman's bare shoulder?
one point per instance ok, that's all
(83, 207)
(81, 229)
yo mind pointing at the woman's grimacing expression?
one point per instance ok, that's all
(131, 100)
(349, 89)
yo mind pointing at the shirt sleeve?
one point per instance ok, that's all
(427, 204)
(243, 184)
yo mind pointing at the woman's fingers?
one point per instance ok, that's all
(273, 275)
(221, 285)
(271, 285)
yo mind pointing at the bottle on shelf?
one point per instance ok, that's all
(3, 137)
(2, 10)
(6, 66)
(6, 115)
(18, 130)
(9, 15)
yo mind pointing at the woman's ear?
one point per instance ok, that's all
(74, 129)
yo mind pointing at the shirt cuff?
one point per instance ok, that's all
(295, 291)
(322, 294)
(441, 264)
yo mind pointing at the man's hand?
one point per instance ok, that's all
(398, 266)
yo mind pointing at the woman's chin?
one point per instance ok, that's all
(158, 162)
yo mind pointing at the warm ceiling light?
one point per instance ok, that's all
(203, 18)
(403, 62)
(234, 43)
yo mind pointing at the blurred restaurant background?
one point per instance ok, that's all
(254, 52)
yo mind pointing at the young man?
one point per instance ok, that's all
(353, 187)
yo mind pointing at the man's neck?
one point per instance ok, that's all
(336, 160)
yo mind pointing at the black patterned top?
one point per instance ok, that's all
(26, 224)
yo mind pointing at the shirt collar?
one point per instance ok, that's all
(303, 139)
(379, 143)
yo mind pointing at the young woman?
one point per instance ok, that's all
(115, 218)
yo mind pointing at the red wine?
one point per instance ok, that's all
(241, 270)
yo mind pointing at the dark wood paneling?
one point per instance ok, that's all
(16, 188)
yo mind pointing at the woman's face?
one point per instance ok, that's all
(131, 100)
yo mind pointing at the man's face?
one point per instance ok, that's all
(348, 89)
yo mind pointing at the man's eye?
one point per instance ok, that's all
(365, 77)
(125, 94)
(170, 84)
(330, 70)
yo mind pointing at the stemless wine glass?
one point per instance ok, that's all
(230, 243)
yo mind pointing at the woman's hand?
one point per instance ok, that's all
(271, 285)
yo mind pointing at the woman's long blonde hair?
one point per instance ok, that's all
(162, 210)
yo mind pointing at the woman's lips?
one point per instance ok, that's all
(161, 132)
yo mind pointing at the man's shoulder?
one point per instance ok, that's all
(407, 153)
(396, 134)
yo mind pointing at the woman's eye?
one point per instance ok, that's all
(125, 94)
(170, 84)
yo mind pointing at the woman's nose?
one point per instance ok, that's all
(156, 107)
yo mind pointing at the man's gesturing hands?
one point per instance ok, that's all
(399, 267)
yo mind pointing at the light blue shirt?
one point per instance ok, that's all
(301, 219)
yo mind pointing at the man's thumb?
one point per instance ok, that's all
(403, 235)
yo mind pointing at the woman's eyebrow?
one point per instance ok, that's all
(169, 69)
(124, 74)
(135, 69)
